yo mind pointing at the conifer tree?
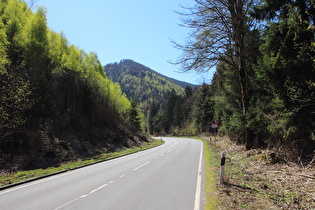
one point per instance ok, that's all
(220, 28)
(287, 68)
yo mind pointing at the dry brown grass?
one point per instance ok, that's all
(254, 181)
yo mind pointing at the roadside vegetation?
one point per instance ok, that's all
(257, 179)
(211, 163)
(56, 103)
(59, 108)
(9, 178)
(142, 84)
(262, 90)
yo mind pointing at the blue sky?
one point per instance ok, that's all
(140, 30)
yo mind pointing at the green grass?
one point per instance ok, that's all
(26, 175)
(211, 168)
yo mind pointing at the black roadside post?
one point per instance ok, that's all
(222, 168)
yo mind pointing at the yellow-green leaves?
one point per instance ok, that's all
(15, 100)
(40, 66)
(3, 48)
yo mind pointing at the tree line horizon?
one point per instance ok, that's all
(263, 90)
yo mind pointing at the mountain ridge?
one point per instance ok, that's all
(142, 84)
(183, 84)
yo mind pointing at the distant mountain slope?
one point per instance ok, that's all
(142, 84)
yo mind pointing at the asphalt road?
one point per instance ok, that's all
(167, 177)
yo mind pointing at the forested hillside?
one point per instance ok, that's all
(56, 103)
(142, 84)
(263, 91)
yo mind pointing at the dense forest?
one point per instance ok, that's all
(142, 84)
(56, 103)
(59, 103)
(263, 90)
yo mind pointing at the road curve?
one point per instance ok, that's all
(165, 177)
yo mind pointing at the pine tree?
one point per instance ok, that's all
(287, 69)
(220, 28)
(134, 118)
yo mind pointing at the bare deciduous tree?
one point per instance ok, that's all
(32, 3)
(219, 34)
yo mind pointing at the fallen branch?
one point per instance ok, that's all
(307, 176)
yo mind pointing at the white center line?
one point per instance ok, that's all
(141, 166)
(66, 204)
(85, 195)
(97, 189)
(159, 156)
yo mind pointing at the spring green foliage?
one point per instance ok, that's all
(3, 46)
(153, 92)
(181, 114)
(142, 84)
(44, 79)
(15, 101)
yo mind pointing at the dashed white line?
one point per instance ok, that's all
(85, 195)
(72, 172)
(159, 157)
(141, 166)
(97, 189)
(66, 204)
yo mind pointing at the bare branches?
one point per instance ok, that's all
(219, 30)
(217, 27)
(32, 3)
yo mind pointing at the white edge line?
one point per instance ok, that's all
(71, 172)
(198, 189)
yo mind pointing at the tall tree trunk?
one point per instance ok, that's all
(236, 8)
(245, 105)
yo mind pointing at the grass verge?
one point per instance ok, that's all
(211, 168)
(253, 181)
(6, 179)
